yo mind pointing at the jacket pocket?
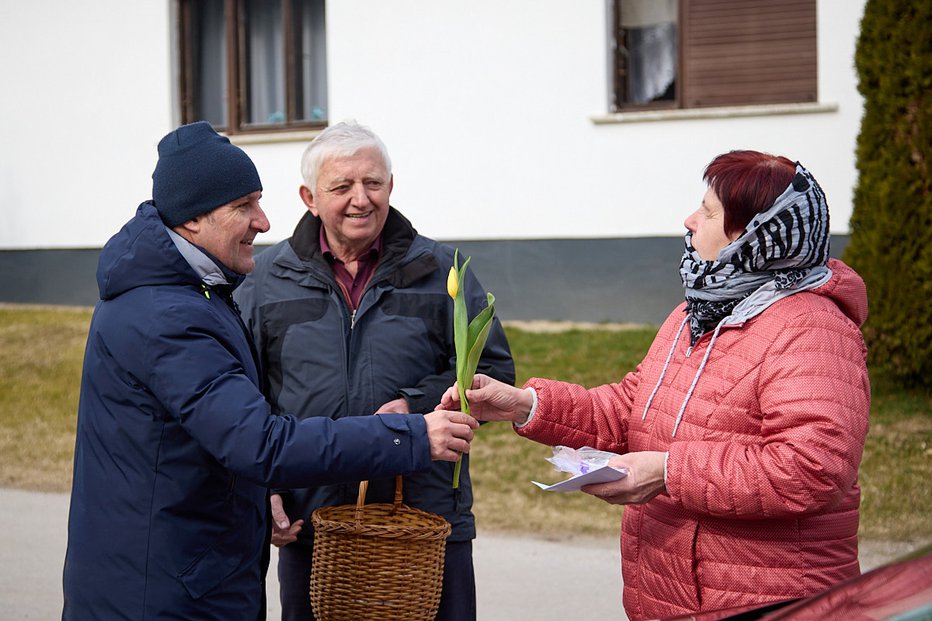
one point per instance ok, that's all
(215, 564)
(697, 567)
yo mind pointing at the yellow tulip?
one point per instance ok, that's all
(453, 283)
(469, 338)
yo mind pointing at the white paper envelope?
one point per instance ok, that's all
(605, 474)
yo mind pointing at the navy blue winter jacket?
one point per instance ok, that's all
(176, 446)
(320, 360)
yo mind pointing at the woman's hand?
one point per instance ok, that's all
(491, 400)
(644, 480)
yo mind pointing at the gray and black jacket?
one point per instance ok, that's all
(318, 358)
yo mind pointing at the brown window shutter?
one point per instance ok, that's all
(744, 52)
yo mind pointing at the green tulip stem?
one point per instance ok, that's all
(464, 408)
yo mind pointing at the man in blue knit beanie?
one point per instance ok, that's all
(176, 446)
(199, 170)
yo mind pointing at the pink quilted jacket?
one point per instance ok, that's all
(762, 495)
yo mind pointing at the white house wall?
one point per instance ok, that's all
(487, 108)
(84, 101)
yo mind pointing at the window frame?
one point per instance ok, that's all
(688, 78)
(619, 83)
(236, 96)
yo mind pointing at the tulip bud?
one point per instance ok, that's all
(453, 283)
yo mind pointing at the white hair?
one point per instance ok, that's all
(343, 139)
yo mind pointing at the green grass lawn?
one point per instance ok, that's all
(41, 349)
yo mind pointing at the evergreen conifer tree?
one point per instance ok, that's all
(891, 224)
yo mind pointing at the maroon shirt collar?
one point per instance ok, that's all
(353, 288)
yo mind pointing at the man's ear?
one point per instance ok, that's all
(192, 226)
(308, 199)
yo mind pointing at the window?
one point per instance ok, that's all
(700, 53)
(249, 65)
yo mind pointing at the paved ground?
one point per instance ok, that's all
(568, 577)
(517, 577)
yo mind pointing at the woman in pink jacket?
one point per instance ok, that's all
(743, 427)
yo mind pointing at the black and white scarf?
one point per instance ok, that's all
(783, 250)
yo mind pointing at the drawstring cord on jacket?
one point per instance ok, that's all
(666, 364)
(679, 417)
(689, 393)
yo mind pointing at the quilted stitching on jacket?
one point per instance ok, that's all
(762, 496)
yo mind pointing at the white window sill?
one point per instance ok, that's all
(304, 135)
(642, 116)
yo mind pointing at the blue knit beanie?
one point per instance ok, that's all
(199, 170)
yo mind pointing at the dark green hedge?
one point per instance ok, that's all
(891, 225)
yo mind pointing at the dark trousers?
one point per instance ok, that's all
(457, 600)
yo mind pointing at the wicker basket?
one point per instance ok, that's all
(378, 561)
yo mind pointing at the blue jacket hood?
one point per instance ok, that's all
(141, 254)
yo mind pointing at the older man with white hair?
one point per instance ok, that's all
(351, 316)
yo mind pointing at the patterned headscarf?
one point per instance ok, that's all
(782, 251)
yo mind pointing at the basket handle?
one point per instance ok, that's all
(361, 498)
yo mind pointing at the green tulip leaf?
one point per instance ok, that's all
(475, 352)
(469, 339)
